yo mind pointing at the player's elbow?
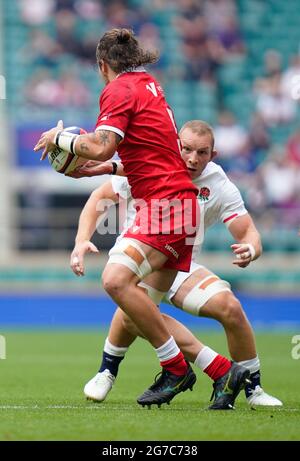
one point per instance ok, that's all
(103, 153)
(98, 192)
(96, 196)
(102, 156)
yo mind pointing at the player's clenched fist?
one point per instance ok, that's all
(92, 168)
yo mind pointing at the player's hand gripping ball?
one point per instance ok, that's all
(65, 162)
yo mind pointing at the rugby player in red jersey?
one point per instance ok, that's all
(136, 120)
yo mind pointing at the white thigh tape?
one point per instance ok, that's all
(128, 253)
(153, 293)
(202, 292)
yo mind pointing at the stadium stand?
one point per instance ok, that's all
(241, 62)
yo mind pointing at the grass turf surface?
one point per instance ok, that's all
(43, 376)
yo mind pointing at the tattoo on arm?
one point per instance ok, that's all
(105, 137)
(102, 137)
(84, 147)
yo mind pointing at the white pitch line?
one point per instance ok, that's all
(50, 407)
(99, 407)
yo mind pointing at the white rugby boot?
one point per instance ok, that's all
(259, 397)
(99, 386)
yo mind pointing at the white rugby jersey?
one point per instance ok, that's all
(219, 200)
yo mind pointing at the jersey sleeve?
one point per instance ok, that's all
(116, 107)
(121, 186)
(232, 205)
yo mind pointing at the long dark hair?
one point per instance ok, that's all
(121, 51)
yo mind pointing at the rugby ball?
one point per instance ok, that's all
(65, 162)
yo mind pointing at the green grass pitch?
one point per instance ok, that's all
(42, 378)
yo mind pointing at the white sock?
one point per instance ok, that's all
(253, 364)
(167, 351)
(110, 349)
(205, 357)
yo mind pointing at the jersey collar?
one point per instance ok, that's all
(132, 69)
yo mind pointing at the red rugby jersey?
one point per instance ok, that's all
(133, 105)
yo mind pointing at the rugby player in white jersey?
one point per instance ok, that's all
(199, 292)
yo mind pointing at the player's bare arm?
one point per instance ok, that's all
(93, 168)
(87, 225)
(100, 145)
(248, 246)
